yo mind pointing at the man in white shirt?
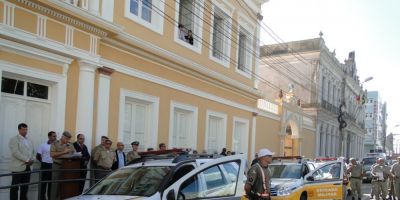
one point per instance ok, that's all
(22, 155)
(120, 156)
(46, 163)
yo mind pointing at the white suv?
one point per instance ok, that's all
(171, 179)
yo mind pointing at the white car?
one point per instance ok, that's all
(167, 179)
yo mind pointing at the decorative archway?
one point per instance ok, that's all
(290, 135)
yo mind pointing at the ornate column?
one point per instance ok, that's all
(84, 115)
(323, 135)
(103, 97)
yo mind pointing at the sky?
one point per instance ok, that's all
(371, 28)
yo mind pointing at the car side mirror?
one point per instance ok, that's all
(171, 195)
(310, 178)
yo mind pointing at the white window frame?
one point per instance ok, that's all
(245, 142)
(225, 61)
(192, 141)
(249, 29)
(157, 16)
(153, 103)
(222, 116)
(197, 30)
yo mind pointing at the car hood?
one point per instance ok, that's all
(279, 182)
(108, 197)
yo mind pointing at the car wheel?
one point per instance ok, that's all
(303, 196)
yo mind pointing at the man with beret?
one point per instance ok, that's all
(258, 183)
(59, 149)
(134, 154)
(355, 170)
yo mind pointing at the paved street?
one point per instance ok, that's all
(366, 190)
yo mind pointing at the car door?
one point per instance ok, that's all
(326, 181)
(211, 180)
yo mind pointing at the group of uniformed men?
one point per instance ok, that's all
(258, 182)
(50, 155)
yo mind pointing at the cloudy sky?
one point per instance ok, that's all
(371, 28)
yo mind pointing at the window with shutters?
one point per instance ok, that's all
(221, 30)
(215, 132)
(240, 135)
(183, 126)
(139, 114)
(244, 52)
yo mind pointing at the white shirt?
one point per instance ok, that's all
(44, 151)
(121, 162)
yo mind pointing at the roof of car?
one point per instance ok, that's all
(169, 162)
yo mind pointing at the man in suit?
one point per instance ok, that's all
(22, 155)
(80, 146)
(120, 156)
(46, 163)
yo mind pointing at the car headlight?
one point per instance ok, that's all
(283, 191)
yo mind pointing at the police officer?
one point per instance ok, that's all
(132, 155)
(59, 149)
(395, 170)
(104, 159)
(258, 184)
(380, 172)
(355, 171)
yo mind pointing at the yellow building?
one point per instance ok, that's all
(123, 68)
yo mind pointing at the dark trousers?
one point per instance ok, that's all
(19, 179)
(46, 176)
(83, 175)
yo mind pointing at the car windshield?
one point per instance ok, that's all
(285, 171)
(141, 181)
(369, 161)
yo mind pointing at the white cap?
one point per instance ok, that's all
(265, 152)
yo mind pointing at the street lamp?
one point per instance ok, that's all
(367, 79)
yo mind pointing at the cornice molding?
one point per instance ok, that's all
(63, 17)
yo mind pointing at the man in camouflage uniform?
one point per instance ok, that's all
(355, 171)
(395, 170)
(134, 154)
(258, 184)
(59, 149)
(380, 173)
(104, 159)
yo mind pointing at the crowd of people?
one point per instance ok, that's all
(102, 158)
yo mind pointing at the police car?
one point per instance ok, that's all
(293, 178)
(174, 178)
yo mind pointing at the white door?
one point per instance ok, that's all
(22, 108)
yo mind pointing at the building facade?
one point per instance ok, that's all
(375, 123)
(321, 84)
(125, 69)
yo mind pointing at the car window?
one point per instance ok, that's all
(331, 171)
(142, 181)
(211, 182)
(286, 171)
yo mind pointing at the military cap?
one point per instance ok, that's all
(67, 134)
(135, 143)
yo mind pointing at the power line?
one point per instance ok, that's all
(253, 53)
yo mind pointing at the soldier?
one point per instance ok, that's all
(395, 170)
(93, 163)
(132, 155)
(380, 173)
(104, 159)
(258, 184)
(59, 149)
(355, 171)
